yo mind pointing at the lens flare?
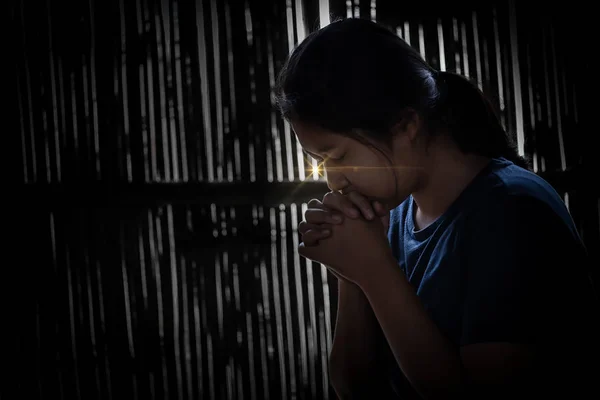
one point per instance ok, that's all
(316, 170)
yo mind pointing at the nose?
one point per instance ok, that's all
(336, 180)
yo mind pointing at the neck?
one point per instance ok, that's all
(448, 172)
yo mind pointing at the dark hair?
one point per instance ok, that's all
(357, 75)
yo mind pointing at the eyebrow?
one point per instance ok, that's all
(315, 156)
(325, 149)
(321, 150)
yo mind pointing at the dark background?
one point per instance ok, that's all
(158, 191)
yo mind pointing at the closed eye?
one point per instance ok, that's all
(340, 158)
(317, 158)
(321, 160)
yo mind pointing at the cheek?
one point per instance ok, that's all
(375, 178)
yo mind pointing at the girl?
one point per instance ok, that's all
(463, 274)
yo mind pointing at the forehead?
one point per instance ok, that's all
(315, 139)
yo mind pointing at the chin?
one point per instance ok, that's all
(395, 202)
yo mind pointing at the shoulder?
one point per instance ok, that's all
(506, 181)
(516, 197)
(396, 225)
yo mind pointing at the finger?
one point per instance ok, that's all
(363, 204)
(314, 203)
(307, 251)
(339, 202)
(304, 227)
(302, 249)
(313, 236)
(322, 216)
(379, 209)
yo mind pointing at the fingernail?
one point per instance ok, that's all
(326, 232)
(369, 214)
(353, 212)
(337, 218)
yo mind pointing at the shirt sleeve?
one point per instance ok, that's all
(515, 258)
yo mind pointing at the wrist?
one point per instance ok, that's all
(380, 270)
(350, 292)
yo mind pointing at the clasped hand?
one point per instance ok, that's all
(347, 234)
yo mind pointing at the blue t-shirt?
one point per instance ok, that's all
(504, 263)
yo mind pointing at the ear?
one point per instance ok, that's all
(409, 124)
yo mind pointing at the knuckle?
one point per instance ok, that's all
(311, 218)
(313, 211)
(309, 238)
(336, 201)
(360, 200)
(355, 196)
(325, 227)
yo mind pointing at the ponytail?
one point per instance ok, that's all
(468, 115)
(356, 74)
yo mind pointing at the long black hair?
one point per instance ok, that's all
(355, 74)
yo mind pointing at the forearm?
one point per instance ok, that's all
(353, 359)
(353, 348)
(427, 358)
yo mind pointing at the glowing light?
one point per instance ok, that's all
(316, 170)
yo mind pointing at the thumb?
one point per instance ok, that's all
(380, 209)
(306, 251)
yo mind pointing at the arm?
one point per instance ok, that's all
(354, 363)
(434, 366)
(516, 312)
(428, 360)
